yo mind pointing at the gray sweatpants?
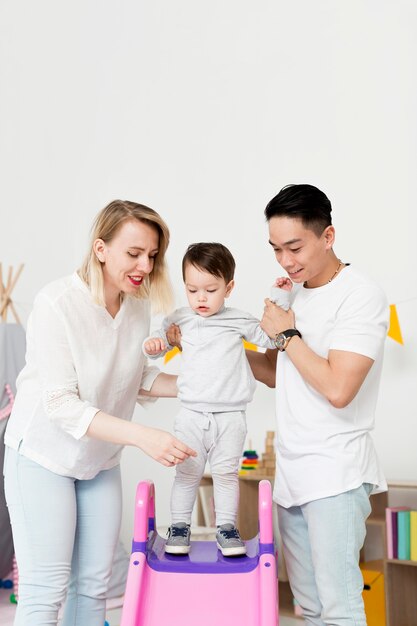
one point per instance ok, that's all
(218, 437)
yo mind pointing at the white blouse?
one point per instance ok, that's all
(79, 360)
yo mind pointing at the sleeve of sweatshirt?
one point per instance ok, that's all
(174, 318)
(252, 332)
(57, 374)
(157, 334)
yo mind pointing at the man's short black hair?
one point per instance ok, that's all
(304, 202)
(213, 258)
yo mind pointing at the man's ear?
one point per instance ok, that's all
(329, 235)
(229, 288)
(99, 249)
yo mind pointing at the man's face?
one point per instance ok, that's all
(300, 252)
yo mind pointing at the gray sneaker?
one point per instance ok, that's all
(178, 541)
(229, 541)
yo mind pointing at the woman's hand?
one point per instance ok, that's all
(158, 444)
(173, 334)
(163, 447)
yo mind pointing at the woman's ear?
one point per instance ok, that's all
(99, 250)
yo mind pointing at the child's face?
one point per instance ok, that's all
(205, 293)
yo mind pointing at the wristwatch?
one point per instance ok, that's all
(283, 339)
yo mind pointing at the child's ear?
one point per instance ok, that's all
(229, 288)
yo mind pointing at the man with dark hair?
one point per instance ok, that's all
(330, 346)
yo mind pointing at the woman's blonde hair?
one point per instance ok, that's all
(156, 286)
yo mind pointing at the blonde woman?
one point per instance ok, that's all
(75, 398)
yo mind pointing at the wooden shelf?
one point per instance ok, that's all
(379, 502)
(403, 562)
(401, 592)
(400, 577)
(402, 484)
(375, 521)
(247, 519)
(255, 476)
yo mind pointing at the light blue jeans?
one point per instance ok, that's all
(321, 543)
(65, 533)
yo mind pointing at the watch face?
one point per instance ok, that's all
(280, 341)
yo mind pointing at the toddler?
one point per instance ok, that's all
(214, 386)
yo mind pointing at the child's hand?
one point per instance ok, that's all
(283, 283)
(280, 292)
(154, 346)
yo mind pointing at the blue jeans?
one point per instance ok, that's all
(321, 543)
(65, 532)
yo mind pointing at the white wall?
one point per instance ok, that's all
(204, 110)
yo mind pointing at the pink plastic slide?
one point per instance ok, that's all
(203, 587)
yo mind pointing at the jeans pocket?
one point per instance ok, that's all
(368, 488)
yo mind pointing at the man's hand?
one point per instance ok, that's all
(275, 320)
(154, 346)
(173, 334)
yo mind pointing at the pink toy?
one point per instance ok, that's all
(15, 579)
(203, 587)
(8, 408)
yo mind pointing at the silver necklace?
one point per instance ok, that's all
(330, 279)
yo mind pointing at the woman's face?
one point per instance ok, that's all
(128, 258)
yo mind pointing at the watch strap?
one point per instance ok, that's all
(291, 332)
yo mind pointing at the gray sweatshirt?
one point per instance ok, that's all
(215, 375)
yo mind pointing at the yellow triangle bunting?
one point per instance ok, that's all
(170, 355)
(394, 330)
(249, 346)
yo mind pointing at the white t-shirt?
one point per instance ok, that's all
(321, 450)
(79, 360)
